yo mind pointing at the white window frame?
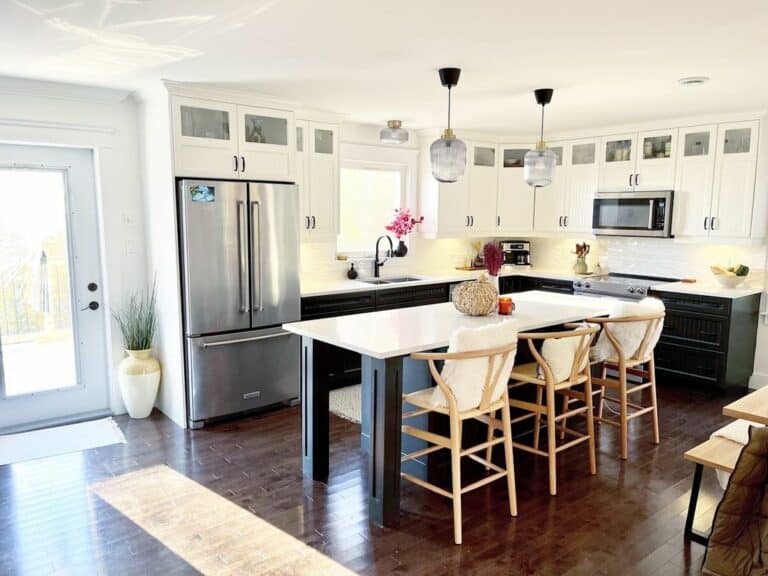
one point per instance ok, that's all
(372, 157)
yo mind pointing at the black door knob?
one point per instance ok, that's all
(91, 306)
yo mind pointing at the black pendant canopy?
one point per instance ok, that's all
(449, 77)
(543, 96)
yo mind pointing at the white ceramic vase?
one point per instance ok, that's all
(139, 377)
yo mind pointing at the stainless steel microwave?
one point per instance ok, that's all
(633, 214)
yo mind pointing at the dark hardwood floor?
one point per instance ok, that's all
(626, 520)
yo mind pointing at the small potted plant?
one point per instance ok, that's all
(401, 226)
(493, 258)
(139, 372)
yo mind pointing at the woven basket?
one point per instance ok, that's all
(476, 298)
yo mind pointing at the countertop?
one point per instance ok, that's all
(708, 287)
(406, 330)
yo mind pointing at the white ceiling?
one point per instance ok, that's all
(610, 61)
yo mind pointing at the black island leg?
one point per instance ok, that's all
(314, 406)
(385, 381)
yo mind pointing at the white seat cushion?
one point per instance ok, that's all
(737, 431)
(629, 334)
(560, 354)
(466, 378)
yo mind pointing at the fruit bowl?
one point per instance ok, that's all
(731, 277)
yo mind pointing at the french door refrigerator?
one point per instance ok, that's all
(240, 281)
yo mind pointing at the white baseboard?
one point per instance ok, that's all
(758, 380)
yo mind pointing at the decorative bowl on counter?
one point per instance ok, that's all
(730, 277)
(476, 297)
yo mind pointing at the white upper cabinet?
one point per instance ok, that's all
(695, 175)
(734, 182)
(317, 175)
(550, 211)
(266, 144)
(582, 181)
(644, 161)
(515, 199)
(205, 138)
(482, 177)
(222, 140)
(617, 162)
(655, 165)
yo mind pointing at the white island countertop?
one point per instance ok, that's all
(391, 333)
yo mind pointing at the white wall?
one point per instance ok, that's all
(106, 121)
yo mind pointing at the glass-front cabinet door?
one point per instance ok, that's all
(656, 155)
(483, 182)
(694, 178)
(515, 199)
(322, 142)
(581, 185)
(205, 138)
(734, 182)
(267, 144)
(550, 212)
(617, 162)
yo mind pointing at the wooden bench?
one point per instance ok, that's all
(716, 453)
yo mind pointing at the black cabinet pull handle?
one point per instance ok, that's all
(637, 179)
(314, 222)
(306, 222)
(472, 221)
(467, 224)
(236, 165)
(565, 221)
(242, 160)
(498, 220)
(630, 180)
(706, 220)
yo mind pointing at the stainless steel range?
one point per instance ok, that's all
(618, 285)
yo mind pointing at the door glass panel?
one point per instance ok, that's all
(558, 150)
(583, 153)
(204, 123)
(323, 141)
(737, 140)
(299, 139)
(266, 130)
(37, 342)
(618, 150)
(657, 147)
(514, 157)
(485, 156)
(696, 144)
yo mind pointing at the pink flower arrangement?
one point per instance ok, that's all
(403, 223)
(493, 258)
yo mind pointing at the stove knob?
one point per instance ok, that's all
(577, 284)
(631, 289)
(587, 285)
(641, 291)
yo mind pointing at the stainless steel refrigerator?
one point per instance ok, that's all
(240, 281)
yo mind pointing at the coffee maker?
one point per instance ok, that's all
(516, 252)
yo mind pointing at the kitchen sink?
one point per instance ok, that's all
(379, 281)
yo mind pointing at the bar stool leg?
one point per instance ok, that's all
(623, 424)
(654, 403)
(551, 440)
(537, 418)
(590, 425)
(489, 436)
(509, 460)
(456, 476)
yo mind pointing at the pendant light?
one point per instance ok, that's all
(539, 163)
(448, 154)
(394, 133)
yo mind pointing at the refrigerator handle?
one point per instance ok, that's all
(256, 253)
(242, 251)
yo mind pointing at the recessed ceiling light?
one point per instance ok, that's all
(693, 80)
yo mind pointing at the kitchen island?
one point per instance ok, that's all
(385, 339)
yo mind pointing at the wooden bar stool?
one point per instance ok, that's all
(638, 362)
(492, 399)
(572, 381)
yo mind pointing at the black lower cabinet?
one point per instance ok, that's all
(707, 341)
(344, 365)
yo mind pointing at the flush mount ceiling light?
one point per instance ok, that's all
(693, 80)
(448, 154)
(539, 163)
(394, 133)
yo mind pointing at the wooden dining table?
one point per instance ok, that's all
(386, 339)
(752, 407)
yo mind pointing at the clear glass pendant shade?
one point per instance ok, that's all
(394, 133)
(449, 157)
(539, 167)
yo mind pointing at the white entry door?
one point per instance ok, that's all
(52, 321)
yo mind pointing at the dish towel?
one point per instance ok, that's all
(737, 431)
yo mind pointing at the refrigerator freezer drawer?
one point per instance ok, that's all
(232, 373)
